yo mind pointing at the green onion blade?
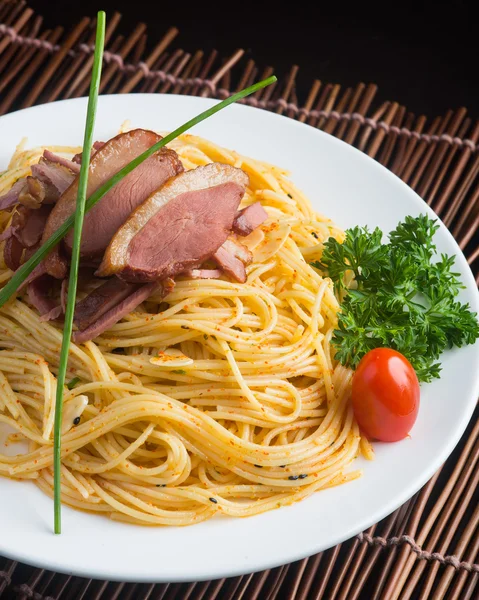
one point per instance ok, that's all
(75, 261)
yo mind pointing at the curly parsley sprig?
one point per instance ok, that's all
(404, 299)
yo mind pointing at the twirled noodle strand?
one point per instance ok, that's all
(254, 414)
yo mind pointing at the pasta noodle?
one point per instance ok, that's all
(222, 398)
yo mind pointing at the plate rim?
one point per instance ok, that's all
(104, 572)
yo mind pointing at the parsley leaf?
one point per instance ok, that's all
(403, 299)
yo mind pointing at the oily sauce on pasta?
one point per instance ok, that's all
(221, 398)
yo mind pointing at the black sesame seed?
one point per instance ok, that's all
(76, 420)
(214, 500)
(161, 485)
(282, 466)
(315, 234)
(289, 196)
(303, 475)
(293, 477)
(259, 466)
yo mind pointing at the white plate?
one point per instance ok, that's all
(352, 189)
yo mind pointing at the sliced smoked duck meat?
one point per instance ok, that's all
(96, 146)
(248, 219)
(104, 219)
(40, 296)
(61, 160)
(178, 227)
(107, 295)
(10, 198)
(31, 232)
(232, 257)
(13, 253)
(108, 318)
(55, 177)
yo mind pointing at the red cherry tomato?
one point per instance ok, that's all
(385, 395)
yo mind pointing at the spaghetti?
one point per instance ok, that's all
(221, 398)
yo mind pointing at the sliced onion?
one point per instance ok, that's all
(273, 241)
(171, 357)
(72, 410)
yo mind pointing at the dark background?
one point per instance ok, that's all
(424, 54)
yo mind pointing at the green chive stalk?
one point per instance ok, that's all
(75, 262)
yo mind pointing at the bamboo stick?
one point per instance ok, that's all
(264, 94)
(151, 84)
(183, 61)
(332, 121)
(391, 137)
(350, 109)
(363, 109)
(310, 99)
(83, 73)
(15, 51)
(189, 72)
(27, 74)
(422, 146)
(229, 64)
(166, 68)
(55, 62)
(122, 52)
(449, 572)
(151, 59)
(328, 106)
(17, 25)
(439, 154)
(288, 87)
(431, 149)
(133, 61)
(369, 127)
(407, 144)
(205, 70)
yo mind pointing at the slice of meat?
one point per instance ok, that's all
(55, 178)
(96, 146)
(34, 194)
(248, 219)
(52, 315)
(50, 178)
(37, 272)
(24, 232)
(101, 300)
(232, 258)
(178, 227)
(104, 219)
(31, 232)
(12, 253)
(18, 222)
(10, 198)
(7, 233)
(41, 296)
(126, 306)
(61, 160)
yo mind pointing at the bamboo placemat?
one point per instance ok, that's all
(429, 548)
